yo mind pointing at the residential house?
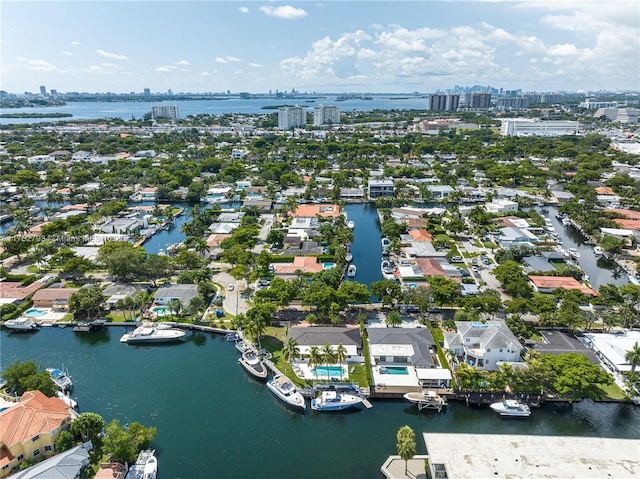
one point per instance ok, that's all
(547, 284)
(380, 187)
(29, 429)
(501, 205)
(181, 292)
(126, 226)
(612, 348)
(484, 345)
(351, 194)
(69, 464)
(116, 292)
(55, 297)
(302, 264)
(309, 336)
(516, 236)
(14, 292)
(404, 359)
(312, 210)
(440, 192)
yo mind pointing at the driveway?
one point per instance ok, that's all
(233, 302)
(264, 232)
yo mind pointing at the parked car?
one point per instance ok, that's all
(456, 259)
(230, 287)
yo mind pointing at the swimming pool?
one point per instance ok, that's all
(394, 370)
(35, 313)
(161, 310)
(328, 265)
(329, 371)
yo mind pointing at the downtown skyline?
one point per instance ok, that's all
(373, 46)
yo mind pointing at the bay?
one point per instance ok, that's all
(214, 420)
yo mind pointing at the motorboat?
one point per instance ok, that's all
(145, 467)
(243, 346)
(253, 364)
(598, 250)
(512, 408)
(334, 401)
(21, 324)
(348, 257)
(387, 269)
(574, 253)
(285, 390)
(426, 399)
(351, 225)
(566, 221)
(386, 244)
(61, 378)
(351, 270)
(153, 334)
(231, 337)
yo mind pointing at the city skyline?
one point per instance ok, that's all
(373, 46)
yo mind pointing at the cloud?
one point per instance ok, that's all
(227, 59)
(243, 9)
(183, 62)
(115, 56)
(286, 12)
(166, 68)
(75, 43)
(256, 65)
(38, 65)
(205, 74)
(67, 54)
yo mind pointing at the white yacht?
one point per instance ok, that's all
(387, 270)
(351, 270)
(386, 244)
(574, 253)
(512, 408)
(286, 391)
(61, 378)
(253, 364)
(334, 401)
(21, 324)
(426, 400)
(598, 250)
(351, 225)
(348, 257)
(145, 467)
(152, 334)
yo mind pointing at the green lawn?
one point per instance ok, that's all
(613, 391)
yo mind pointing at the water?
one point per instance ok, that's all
(214, 420)
(366, 247)
(127, 110)
(35, 313)
(599, 270)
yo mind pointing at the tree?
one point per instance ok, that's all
(291, 351)
(155, 267)
(443, 290)
(174, 305)
(406, 445)
(315, 358)
(633, 356)
(86, 301)
(393, 319)
(386, 290)
(124, 444)
(87, 426)
(64, 441)
(24, 376)
(328, 354)
(341, 356)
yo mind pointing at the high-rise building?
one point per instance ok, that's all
(480, 100)
(444, 102)
(326, 115)
(147, 92)
(512, 103)
(165, 111)
(291, 117)
(43, 90)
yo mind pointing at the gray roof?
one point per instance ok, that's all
(321, 335)
(491, 334)
(186, 292)
(419, 338)
(66, 465)
(538, 263)
(552, 256)
(129, 289)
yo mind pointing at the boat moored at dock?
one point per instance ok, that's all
(426, 400)
(61, 379)
(285, 390)
(253, 364)
(511, 408)
(351, 270)
(145, 467)
(153, 334)
(334, 401)
(22, 324)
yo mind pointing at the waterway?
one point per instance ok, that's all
(137, 110)
(366, 247)
(213, 420)
(600, 271)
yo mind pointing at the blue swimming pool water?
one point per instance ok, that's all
(394, 370)
(328, 371)
(161, 310)
(328, 265)
(35, 313)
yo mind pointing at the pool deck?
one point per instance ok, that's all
(394, 468)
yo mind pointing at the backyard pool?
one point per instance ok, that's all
(328, 265)
(394, 370)
(329, 371)
(161, 310)
(35, 313)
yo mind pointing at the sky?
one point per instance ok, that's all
(319, 46)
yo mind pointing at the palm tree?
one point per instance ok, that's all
(633, 356)
(315, 358)
(328, 356)
(174, 305)
(291, 351)
(341, 356)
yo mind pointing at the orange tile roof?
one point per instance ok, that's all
(430, 267)
(632, 224)
(604, 190)
(566, 282)
(311, 211)
(51, 294)
(15, 290)
(33, 415)
(305, 264)
(421, 235)
(631, 214)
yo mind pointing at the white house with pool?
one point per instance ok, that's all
(168, 292)
(404, 360)
(319, 336)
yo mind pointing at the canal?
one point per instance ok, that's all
(213, 420)
(366, 247)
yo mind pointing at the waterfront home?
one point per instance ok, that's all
(351, 194)
(126, 226)
(483, 345)
(69, 464)
(501, 205)
(380, 187)
(627, 236)
(547, 284)
(13, 292)
(55, 297)
(537, 263)
(440, 192)
(516, 236)
(115, 292)
(611, 348)
(29, 429)
(404, 360)
(325, 210)
(181, 292)
(302, 264)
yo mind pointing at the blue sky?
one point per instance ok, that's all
(326, 46)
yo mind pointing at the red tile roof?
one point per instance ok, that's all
(15, 290)
(305, 264)
(311, 211)
(566, 282)
(420, 235)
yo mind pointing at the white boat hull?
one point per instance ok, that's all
(284, 390)
(511, 408)
(152, 335)
(254, 365)
(21, 324)
(331, 401)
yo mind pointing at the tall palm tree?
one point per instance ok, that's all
(174, 305)
(328, 356)
(633, 356)
(315, 358)
(341, 356)
(291, 351)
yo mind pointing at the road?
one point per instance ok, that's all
(267, 223)
(233, 302)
